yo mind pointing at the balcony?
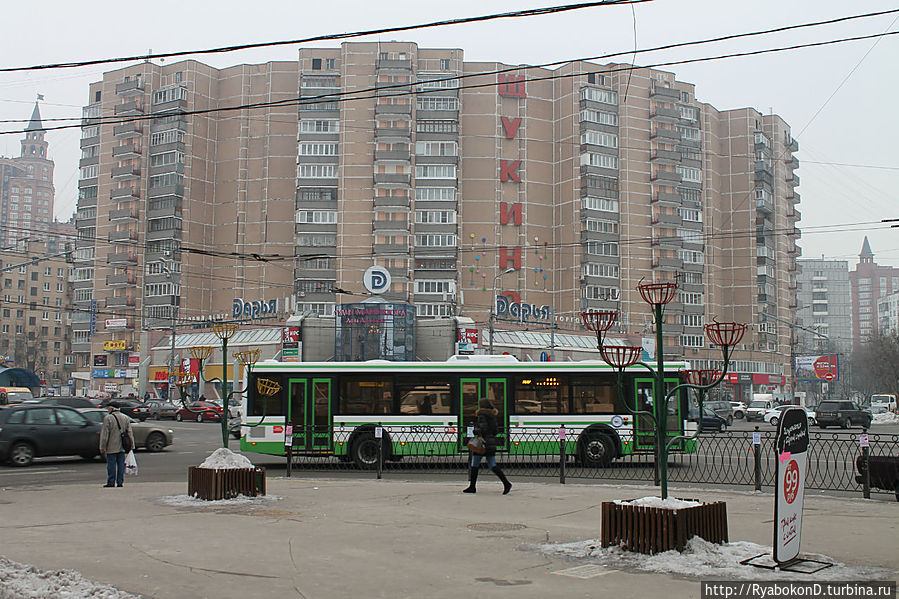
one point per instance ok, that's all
(764, 205)
(762, 165)
(667, 219)
(132, 107)
(794, 196)
(168, 190)
(382, 109)
(128, 150)
(672, 134)
(119, 302)
(393, 155)
(794, 214)
(792, 145)
(174, 233)
(384, 249)
(123, 236)
(661, 111)
(122, 280)
(665, 92)
(793, 163)
(122, 258)
(86, 142)
(126, 172)
(764, 177)
(667, 198)
(394, 64)
(391, 201)
(133, 87)
(792, 179)
(396, 179)
(665, 176)
(390, 225)
(665, 156)
(132, 129)
(403, 133)
(124, 194)
(124, 214)
(667, 263)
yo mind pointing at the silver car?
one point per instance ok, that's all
(148, 436)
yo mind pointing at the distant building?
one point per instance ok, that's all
(26, 188)
(870, 281)
(824, 311)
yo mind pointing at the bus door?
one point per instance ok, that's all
(470, 392)
(309, 412)
(644, 429)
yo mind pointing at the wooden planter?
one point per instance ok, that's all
(653, 530)
(213, 483)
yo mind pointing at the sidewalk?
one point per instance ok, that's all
(323, 538)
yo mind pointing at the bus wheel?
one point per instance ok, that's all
(365, 451)
(595, 450)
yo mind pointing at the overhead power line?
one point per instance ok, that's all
(532, 12)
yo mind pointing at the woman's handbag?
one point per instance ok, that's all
(477, 445)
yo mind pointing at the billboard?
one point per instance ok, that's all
(818, 368)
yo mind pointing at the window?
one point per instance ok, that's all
(689, 298)
(433, 310)
(317, 239)
(692, 278)
(305, 286)
(317, 149)
(435, 264)
(435, 240)
(599, 95)
(599, 292)
(444, 64)
(436, 148)
(316, 64)
(436, 81)
(599, 138)
(317, 216)
(690, 257)
(88, 172)
(602, 248)
(690, 215)
(328, 105)
(435, 171)
(170, 94)
(692, 320)
(317, 308)
(601, 226)
(692, 340)
(691, 133)
(166, 137)
(317, 171)
(312, 194)
(602, 117)
(435, 216)
(687, 173)
(318, 264)
(690, 235)
(438, 103)
(327, 82)
(436, 194)
(601, 204)
(437, 126)
(689, 113)
(600, 270)
(166, 158)
(319, 126)
(164, 224)
(90, 131)
(600, 160)
(435, 286)
(160, 289)
(330, 64)
(166, 180)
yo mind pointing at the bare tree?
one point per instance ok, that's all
(875, 365)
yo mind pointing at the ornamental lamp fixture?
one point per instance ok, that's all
(200, 352)
(599, 322)
(657, 294)
(691, 376)
(224, 330)
(621, 356)
(725, 334)
(248, 357)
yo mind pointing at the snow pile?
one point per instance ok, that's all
(670, 503)
(188, 501)
(886, 418)
(225, 459)
(18, 581)
(707, 560)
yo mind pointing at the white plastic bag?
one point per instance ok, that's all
(130, 464)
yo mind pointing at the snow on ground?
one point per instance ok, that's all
(707, 560)
(18, 581)
(241, 500)
(658, 502)
(225, 459)
(886, 418)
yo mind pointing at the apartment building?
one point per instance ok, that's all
(35, 325)
(524, 193)
(26, 188)
(869, 282)
(824, 310)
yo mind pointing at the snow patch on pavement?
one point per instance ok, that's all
(658, 502)
(703, 559)
(225, 459)
(885, 418)
(19, 581)
(188, 501)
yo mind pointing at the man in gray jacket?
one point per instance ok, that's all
(114, 424)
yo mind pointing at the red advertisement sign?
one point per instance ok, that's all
(290, 335)
(468, 335)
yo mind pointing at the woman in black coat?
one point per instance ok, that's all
(487, 428)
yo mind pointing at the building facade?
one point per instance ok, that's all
(869, 282)
(824, 310)
(486, 190)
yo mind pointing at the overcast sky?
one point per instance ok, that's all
(840, 99)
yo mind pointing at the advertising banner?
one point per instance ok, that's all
(818, 368)
(790, 449)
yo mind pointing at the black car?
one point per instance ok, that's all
(842, 413)
(711, 421)
(160, 408)
(131, 407)
(28, 431)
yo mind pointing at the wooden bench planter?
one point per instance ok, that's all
(653, 530)
(226, 483)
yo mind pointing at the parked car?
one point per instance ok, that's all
(35, 430)
(151, 437)
(130, 407)
(160, 408)
(711, 421)
(842, 413)
(201, 411)
(739, 409)
(773, 416)
(71, 402)
(757, 408)
(722, 409)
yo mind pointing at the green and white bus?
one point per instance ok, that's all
(427, 408)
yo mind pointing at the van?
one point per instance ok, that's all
(761, 403)
(11, 395)
(884, 400)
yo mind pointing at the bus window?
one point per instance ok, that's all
(366, 395)
(417, 398)
(541, 395)
(595, 396)
(267, 405)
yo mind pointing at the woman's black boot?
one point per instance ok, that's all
(472, 480)
(507, 486)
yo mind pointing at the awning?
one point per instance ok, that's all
(18, 377)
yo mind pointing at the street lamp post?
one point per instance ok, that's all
(224, 331)
(493, 304)
(200, 353)
(657, 295)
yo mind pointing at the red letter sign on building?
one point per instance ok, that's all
(510, 126)
(509, 212)
(505, 258)
(511, 85)
(508, 169)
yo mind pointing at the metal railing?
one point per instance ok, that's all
(735, 458)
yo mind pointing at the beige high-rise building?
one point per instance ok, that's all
(559, 190)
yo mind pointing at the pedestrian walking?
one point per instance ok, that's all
(116, 428)
(486, 428)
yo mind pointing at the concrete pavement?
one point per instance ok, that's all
(329, 537)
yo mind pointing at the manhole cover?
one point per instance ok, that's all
(585, 571)
(496, 526)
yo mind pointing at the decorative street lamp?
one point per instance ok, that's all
(493, 304)
(200, 353)
(224, 331)
(724, 334)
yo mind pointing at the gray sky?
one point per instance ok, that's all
(849, 164)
